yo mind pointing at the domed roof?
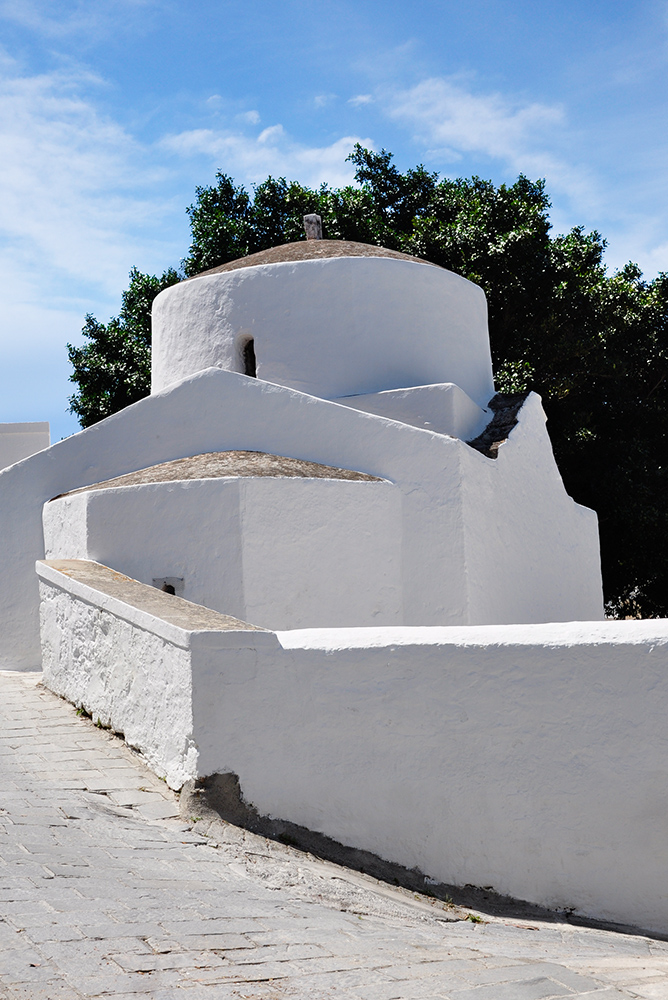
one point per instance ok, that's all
(312, 250)
(223, 464)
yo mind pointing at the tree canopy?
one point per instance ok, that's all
(114, 368)
(594, 345)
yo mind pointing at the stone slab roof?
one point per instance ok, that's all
(311, 250)
(222, 464)
(168, 607)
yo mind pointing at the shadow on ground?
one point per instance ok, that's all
(219, 796)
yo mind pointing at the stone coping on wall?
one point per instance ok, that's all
(505, 409)
(221, 464)
(311, 250)
(174, 618)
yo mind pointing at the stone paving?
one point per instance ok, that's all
(104, 891)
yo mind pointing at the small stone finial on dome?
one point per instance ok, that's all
(313, 227)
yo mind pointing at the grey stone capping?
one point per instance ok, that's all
(311, 250)
(505, 409)
(178, 621)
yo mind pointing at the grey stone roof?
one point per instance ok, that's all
(312, 250)
(219, 464)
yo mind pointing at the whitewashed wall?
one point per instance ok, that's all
(18, 441)
(526, 543)
(329, 327)
(136, 680)
(528, 758)
(444, 408)
(282, 553)
(129, 668)
(512, 537)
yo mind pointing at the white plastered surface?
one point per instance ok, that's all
(279, 552)
(527, 758)
(443, 408)
(19, 440)
(518, 544)
(331, 327)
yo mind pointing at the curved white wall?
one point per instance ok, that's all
(332, 327)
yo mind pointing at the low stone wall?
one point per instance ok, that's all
(529, 758)
(127, 654)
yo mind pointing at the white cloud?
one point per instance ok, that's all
(272, 134)
(273, 151)
(360, 100)
(453, 122)
(446, 115)
(81, 202)
(78, 17)
(78, 195)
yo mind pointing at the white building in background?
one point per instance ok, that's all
(19, 440)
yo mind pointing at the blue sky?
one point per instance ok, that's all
(112, 111)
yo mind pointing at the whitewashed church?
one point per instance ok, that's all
(325, 557)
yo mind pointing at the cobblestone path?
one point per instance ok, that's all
(104, 891)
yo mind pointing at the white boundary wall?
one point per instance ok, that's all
(127, 667)
(530, 758)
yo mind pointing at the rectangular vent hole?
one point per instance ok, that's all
(169, 584)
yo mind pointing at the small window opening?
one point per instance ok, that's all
(248, 354)
(169, 585)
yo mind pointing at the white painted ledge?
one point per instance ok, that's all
(442, 408)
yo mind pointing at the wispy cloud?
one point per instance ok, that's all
(82, 200)
(272, 151)
(454, 120)
(78, 191)
(251, 117)
(360, 100)
(76, 17)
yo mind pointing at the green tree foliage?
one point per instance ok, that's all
(227, 224)
(595, 346)
(114, 368)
